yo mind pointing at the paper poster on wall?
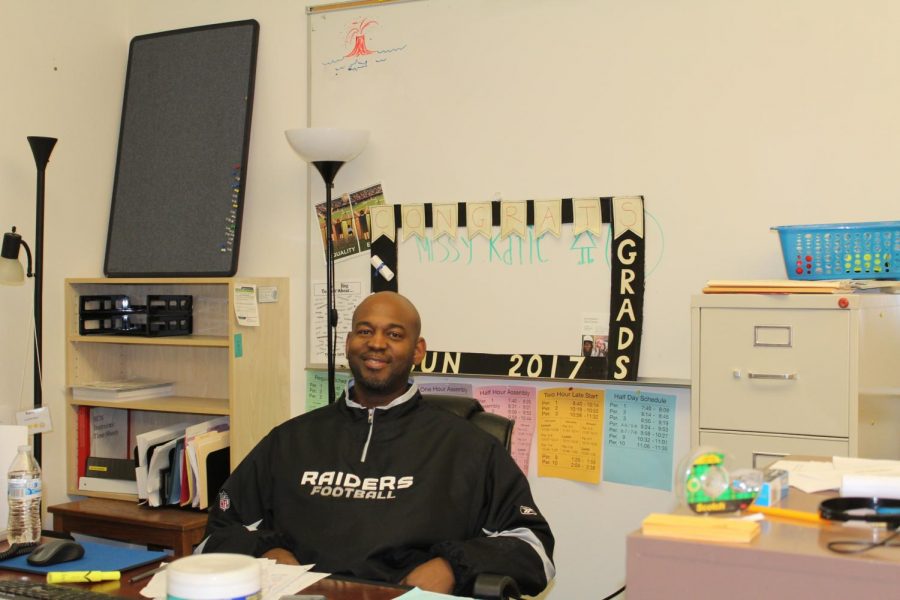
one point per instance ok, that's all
(351, 230)
(317, 388)
(514, 402)
(570, 427)
(347, 295)
(451, 388)
(640, 433)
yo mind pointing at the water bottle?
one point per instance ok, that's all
(24, 493)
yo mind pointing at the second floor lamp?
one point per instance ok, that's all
(328, 149)
(11, 269)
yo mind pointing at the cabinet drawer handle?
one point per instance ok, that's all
(752, 375)
(756, 455)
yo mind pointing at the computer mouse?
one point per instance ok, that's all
(54, 552)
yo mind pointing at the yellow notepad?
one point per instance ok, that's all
(707, 529)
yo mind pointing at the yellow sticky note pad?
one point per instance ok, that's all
(700, 528)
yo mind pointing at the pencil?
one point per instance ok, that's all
(147, 574)
(786, 513)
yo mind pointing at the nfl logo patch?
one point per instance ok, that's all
(224, 501)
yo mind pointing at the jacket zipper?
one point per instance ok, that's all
(369, 438)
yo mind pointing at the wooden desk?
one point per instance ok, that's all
(788, 560)
(331, 588)
(126, 521)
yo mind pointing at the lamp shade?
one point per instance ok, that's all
(317, 144)
(11, 272)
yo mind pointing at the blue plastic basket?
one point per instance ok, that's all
(841, 250)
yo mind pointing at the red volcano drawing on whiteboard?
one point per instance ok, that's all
(357, 31)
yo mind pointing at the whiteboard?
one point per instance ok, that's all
(728, 118)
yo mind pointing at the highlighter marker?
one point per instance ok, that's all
(82, 576)
(785, 513)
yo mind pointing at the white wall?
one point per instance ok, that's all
(63, 76)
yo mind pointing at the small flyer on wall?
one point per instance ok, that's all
(347, 294)
(351, 230)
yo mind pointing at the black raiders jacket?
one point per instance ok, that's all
(375, 493)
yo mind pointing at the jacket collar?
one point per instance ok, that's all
(409, 399)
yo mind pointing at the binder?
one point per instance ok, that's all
(208, 444)
(157, 470)
(146, 443)
(100, 484)
(218, 467)
(109, 468)
(172, 483)
(84, 438)
(115, 475)
(192, 437)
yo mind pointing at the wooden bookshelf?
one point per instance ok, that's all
(221, 369)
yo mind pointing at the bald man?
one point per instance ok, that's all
(382, 486)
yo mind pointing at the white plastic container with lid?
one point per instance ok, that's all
(214, 577)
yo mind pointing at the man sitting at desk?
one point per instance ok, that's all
(382, 486)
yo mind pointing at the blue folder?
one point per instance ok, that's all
(97, 557)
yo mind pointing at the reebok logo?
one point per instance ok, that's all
(528, 511)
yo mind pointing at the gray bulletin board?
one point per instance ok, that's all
(178, 195)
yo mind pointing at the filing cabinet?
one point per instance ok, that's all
(780, 374)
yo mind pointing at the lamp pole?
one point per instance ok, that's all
(328, 169)
(41, 147)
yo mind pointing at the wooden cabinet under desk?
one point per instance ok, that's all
(222, 368)
(773, 375)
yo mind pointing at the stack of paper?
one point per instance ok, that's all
(277, 580)
(705, 528)
(124, 389)
(182, 464)
(820, 475)
(790, 286)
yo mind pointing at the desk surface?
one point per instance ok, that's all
(126, 521)
(788, 559)
(331, 588)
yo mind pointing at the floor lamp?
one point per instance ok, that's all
(11, 269)
(327, 149)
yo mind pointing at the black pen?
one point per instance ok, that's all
(147, 574)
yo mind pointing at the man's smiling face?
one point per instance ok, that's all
(382, 347)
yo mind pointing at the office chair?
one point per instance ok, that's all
(487, 585)
(471, 410)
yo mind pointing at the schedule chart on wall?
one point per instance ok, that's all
(570, 433)
(639, 433)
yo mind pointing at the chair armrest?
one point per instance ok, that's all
(491, 586)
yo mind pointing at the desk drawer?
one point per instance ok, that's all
(775, 371)
(750, 450)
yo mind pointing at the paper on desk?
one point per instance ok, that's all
(819, 475)
(277, 580)
(417, 594)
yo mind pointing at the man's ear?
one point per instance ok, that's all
(419, 354)
(347, 345)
